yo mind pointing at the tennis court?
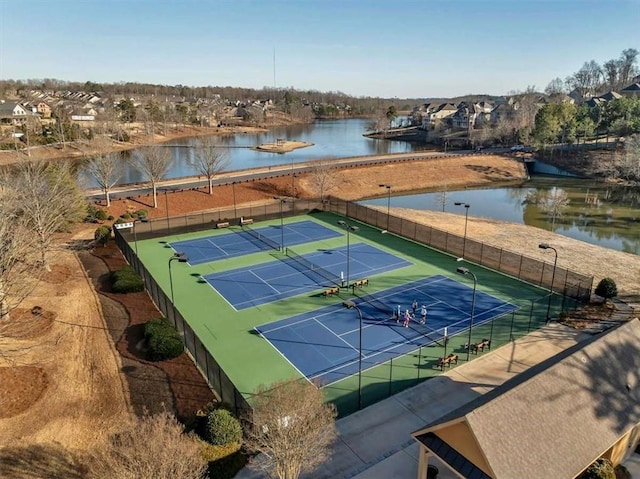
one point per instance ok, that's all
(291, 275)
(323, 344)
(238, 242)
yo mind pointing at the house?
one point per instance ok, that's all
(503, 112)
(38, 107)
(464, 117)
(631, 90)
(553, 420)
(13, 113)
(611, 95)
(436, 113)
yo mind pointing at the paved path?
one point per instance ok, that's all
(277, 170)
(376, 443)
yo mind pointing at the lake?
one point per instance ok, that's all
(604, 215)
(331, 139)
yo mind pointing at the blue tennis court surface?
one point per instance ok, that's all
(267, 282)
(323, 344)
(239, 242)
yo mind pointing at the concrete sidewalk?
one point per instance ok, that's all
(376, 443)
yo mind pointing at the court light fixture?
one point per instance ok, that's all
(465, 271)
(181, 258)
(349, 229)
(352, 305)
(388, 187)
(553, 276)
(466, 217)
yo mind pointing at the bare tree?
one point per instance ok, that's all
(18, 265)
(154, 163)
(291, 427)
(107, 171)
(555, 87)
(208, 160)
(553, 203)
(323, 177)
(49, 200)
(151, 447)
(629, 163)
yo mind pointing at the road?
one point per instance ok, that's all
(239, 176)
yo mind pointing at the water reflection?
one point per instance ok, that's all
(331, 139)
(600, 214)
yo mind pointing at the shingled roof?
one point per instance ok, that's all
(559, 416)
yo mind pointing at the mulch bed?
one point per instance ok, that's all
(177, 383)
(27, 323)
(20, 388)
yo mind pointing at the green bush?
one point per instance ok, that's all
(101, 215)
(163, 341)
(126, 216)
(102, 234)
(607, 288)
(141, 213)
(110, 218)
(223, 428)
(126, 280)
(600, 469)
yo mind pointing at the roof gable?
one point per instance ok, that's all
(560, 415)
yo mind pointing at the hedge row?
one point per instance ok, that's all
(163, 341)
(126, 280)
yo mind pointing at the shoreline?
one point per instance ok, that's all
(88, 148)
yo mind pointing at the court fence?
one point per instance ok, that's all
(570, 289)
(568, 283)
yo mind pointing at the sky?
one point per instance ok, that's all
(403, 49)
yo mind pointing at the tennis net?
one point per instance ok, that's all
(313, 268)
(386, 311)
(259, 236)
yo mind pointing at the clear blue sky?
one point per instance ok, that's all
(415, 48)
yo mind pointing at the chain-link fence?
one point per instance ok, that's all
(561, 280)
(570, 290)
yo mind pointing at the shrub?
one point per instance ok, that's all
(126, 280)
(600, 469)
(141, 213)
(607, 288)
(102, 235)
(101, 215)
(163, 341)
(211, 452)
(126, 216)
(223, 428)
(110, 218)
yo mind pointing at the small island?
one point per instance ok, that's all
(282, 146)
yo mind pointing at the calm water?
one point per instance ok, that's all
(331, 139)
(597, 214)
(612, 221)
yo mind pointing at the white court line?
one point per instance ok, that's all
(336, 335)
(285, 358)
(312, 318)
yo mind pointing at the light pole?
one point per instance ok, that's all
(166, 207)
(350, 304)
(388, 187)
(142, 219)
(281, 201)
(466, 216)
(349, 228)
(465, 271)
(553, 275)
(233, 189)
(181, 258)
